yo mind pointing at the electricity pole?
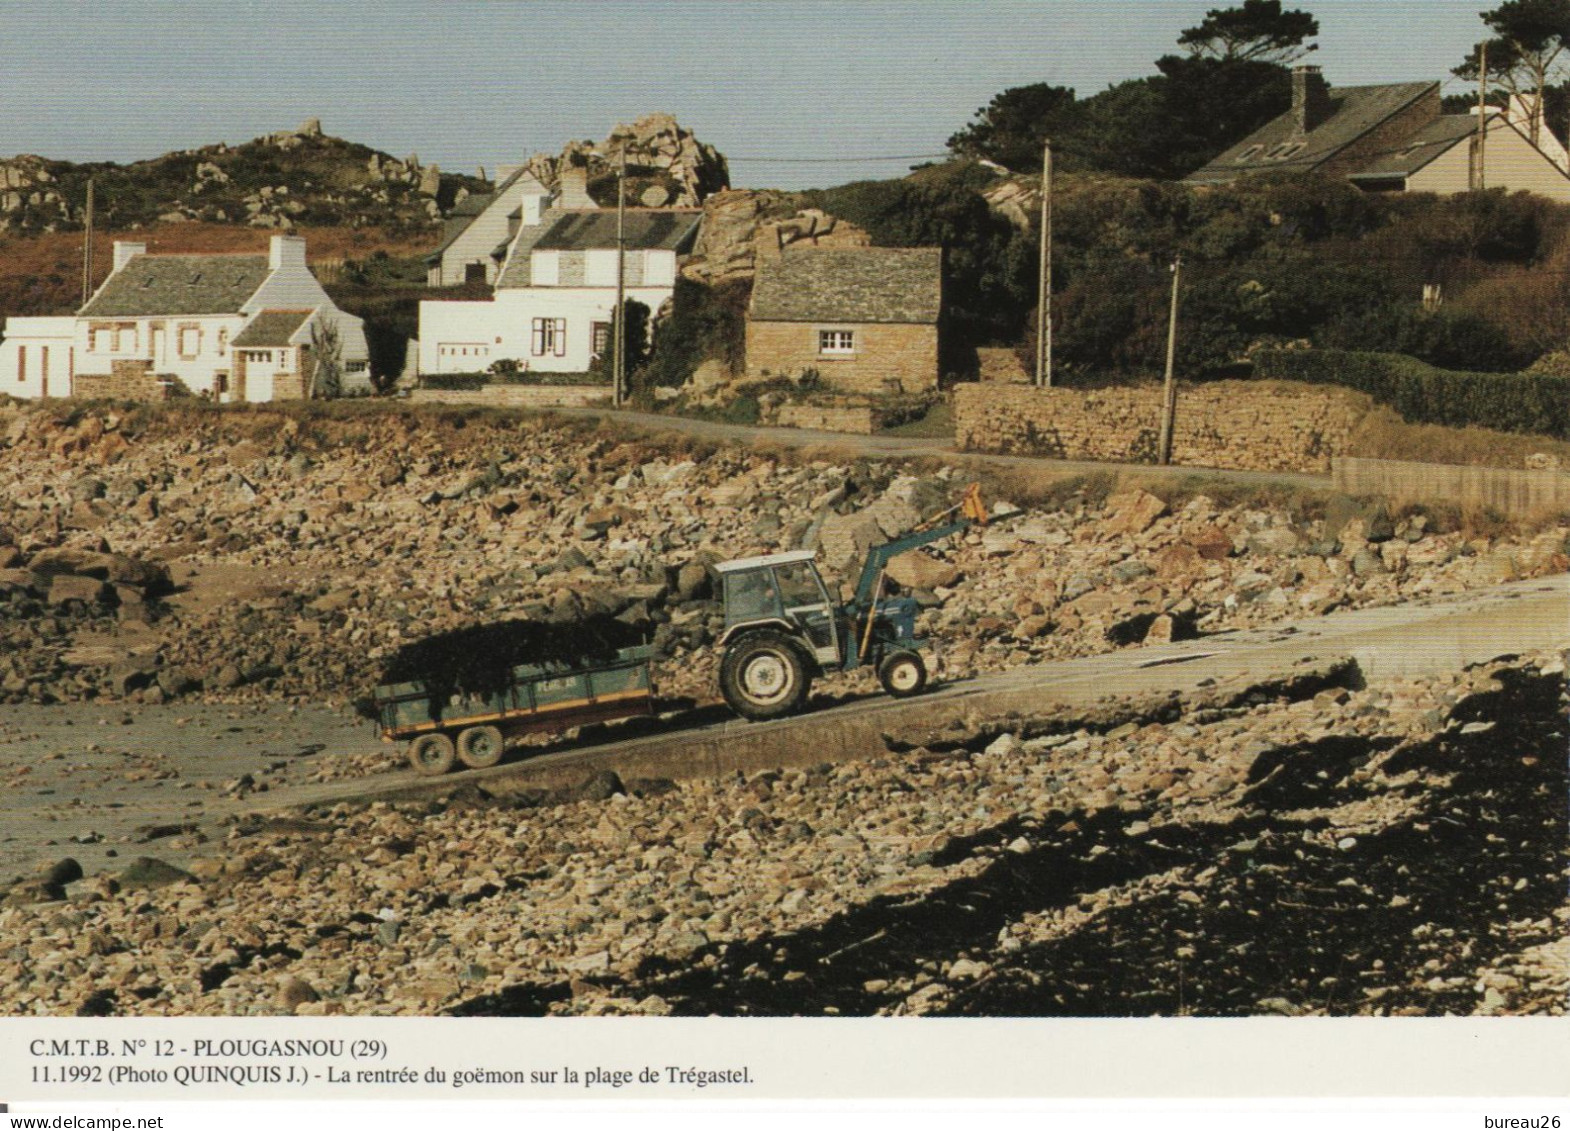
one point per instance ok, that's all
(619, 319)
(1169, 387)
(87, 247)
(1482, 114)
(1044, 303)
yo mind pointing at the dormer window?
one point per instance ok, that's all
(1283, 151)
(1249, 154)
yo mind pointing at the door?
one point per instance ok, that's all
(259, 378)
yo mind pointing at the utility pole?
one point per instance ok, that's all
(87, 247)
(619, 319)
(1482, 114)
(1044, 302)
(1169, 386)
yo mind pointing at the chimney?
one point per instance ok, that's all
(125, 251)
(533, 206)
(575, 186)
(286, 251)
(1310, 98)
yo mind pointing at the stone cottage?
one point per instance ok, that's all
(865, 319)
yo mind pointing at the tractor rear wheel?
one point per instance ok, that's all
(431, 754)
(902, 674)
(764, 676)
(479, 747)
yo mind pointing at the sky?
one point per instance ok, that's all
(795, 94)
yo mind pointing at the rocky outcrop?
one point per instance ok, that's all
(667, 166)
(744, 227)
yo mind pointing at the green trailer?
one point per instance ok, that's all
(473, 729)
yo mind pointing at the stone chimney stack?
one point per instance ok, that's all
(125, 251)
(575, 185)
(1310, 98)
(286, 251)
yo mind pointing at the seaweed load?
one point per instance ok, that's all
(478, 659)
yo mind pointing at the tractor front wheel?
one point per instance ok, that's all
(764, 676)
(902, 674)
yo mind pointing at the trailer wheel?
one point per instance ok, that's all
(431, 754)
(479, 747)
(763, 676)
(902, 674)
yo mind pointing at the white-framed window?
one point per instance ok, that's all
(550, 337)
(189, 339)
(223, 341)
(836, 343)
(113, 337)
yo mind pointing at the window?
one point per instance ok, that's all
(1285, 150)
(550, 337)
(190, 341)
(223, 342)
(836, 341)
(1249, 154)
(600, 338)
(114, 337)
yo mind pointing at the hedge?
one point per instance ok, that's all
(1537, 403)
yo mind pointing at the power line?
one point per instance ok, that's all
(837, 160)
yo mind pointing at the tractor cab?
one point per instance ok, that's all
(786, 592)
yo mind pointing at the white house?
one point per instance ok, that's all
(477, 226)
(556, 289)
(184, 317)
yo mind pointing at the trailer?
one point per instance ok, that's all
(474, 728)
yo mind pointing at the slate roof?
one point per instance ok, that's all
(854, 284)
(271, 328)
(1354, 111)
(151, 285)
(564, 229)
(661, 230)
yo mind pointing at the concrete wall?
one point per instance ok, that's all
(887, 355)
(1510, 491)
(1513, 163)
(1228, 424)
(516, 396)
(37, 357)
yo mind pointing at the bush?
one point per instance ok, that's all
(1509, 402)
(465, 381)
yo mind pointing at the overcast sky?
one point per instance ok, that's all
(465, 83)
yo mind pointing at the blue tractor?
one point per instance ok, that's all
(782, 629)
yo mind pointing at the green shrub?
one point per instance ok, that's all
(1509, 402)
(466, 381)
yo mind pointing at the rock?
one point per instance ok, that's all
(150, 872)
(916, 570)
(294, 992)
(1368, 563)
(66, 588)
(62, 872)
(1211, 543)
(1132, 512)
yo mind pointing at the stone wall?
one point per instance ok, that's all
(517, 396)
(1524, 494)
(863, 421)
(1248, 425)
(889, 357)
(127, 380)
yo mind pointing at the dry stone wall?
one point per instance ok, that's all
(127, 380)
(1245, 425)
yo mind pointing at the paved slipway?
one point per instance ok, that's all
(101, 784)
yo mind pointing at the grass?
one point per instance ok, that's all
(936, 423)
(1382, 434)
